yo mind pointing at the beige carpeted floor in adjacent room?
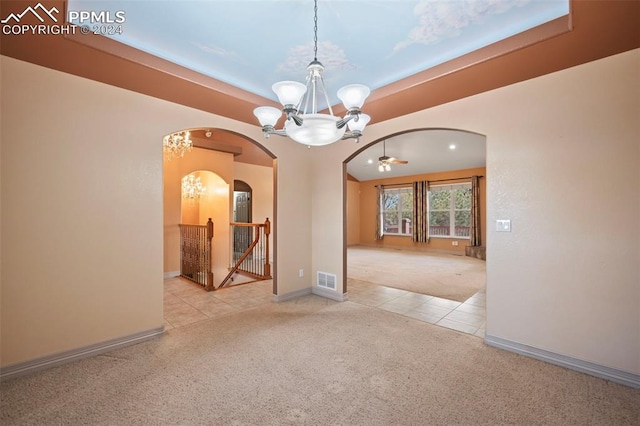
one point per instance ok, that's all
(453, 277)
(312, 361)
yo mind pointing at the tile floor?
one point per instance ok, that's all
(468, 317)
(186, 303)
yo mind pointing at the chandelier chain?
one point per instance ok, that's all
(315, 30)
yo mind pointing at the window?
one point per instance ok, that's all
(397, 211)
(450, 210)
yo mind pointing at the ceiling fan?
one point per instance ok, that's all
(385, 162)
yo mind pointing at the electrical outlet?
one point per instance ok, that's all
(503, 225)
(301, 273)
(454, 243)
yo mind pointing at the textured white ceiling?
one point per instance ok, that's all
(427, 152)
(252, 44)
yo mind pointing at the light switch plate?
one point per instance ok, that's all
(503, 225)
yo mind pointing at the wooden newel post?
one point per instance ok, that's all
(209, 229)
(267, 231)
(209, 286)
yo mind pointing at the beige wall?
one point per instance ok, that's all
(82, 232)
(353, 213)
(368, 205)
(189, 215)
(260, 179)
(562, 159)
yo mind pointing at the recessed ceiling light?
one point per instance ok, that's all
(369, 161)
(452, 146)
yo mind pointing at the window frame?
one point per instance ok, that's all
(451, 187)
(401, 189)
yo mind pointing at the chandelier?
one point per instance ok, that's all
(176, 145)
(304, 123)
(192, 188)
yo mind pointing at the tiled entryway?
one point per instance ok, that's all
(186, 303)
(468, 317)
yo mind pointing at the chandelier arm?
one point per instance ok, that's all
(295, 117)
(306, 96)
(314, 93)
(343, 121)
(270, 130)
(353, 134)
(326, 97)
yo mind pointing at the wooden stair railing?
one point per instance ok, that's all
(254, 259)
(196, 252)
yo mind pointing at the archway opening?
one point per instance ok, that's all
(217, 160)
(408, 215)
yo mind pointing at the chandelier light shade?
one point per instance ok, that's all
(176, 145)
(304, 123)
(192, 187)
(353, 95)
(289, 92)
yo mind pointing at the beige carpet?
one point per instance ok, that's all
(312, 361)
(442, 275)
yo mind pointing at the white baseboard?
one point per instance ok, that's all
(28, 367)
(329, 294)
(171, 274)
(618, 376)
(289, 296)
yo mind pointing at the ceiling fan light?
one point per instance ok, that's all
(353, 95)
(267, 116)
(387, 167)
(362, 121)
(289, 92)
(380, 168)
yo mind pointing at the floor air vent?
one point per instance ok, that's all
(327, 280)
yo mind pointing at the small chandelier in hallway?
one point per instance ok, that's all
(192, 188)
(304, 123)
(176, 145)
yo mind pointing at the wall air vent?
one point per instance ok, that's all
(326, 280)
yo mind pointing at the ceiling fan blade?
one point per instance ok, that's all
(393, 160)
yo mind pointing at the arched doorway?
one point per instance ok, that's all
(436, 166)
(205, 195)
(218, 158)
(242, 207)
(242, 213)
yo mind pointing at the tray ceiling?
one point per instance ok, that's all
(252, 44)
